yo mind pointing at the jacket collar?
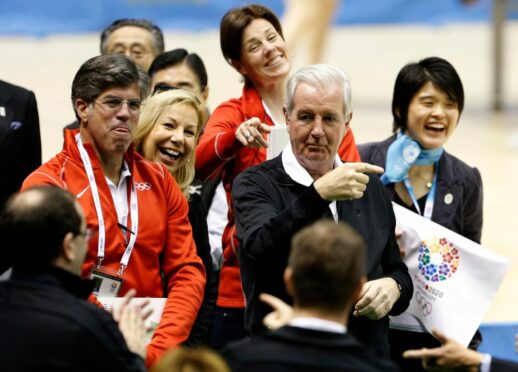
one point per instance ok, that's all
(318, 324)
(70, 148)
(315, 337)
(295, 170)
(252, 105)
(56, 277)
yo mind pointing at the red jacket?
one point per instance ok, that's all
(219, 152)
(164, 262)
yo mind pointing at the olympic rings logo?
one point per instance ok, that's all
(143, 186)
(424, 304)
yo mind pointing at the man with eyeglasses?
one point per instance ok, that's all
(46, 322)
(139, 40)
(142, 237)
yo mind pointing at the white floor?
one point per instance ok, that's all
(372, 55)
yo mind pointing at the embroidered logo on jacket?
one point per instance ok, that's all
(143, 186)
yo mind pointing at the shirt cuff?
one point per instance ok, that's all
(485, 365)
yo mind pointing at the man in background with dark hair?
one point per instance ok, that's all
(46, 322)
(180, 69)
(138, 39)
(325, 275)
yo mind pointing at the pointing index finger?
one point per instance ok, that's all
(274, 302)
(421, 353)
(368, 168)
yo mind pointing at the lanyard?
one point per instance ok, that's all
(98, 210)
(428, 207)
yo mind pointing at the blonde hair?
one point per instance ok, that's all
(152, 107)
(191, 360)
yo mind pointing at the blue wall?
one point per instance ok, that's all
(43, 17)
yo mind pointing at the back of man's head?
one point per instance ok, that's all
(154, 30)
(327, 261)
(34, 223)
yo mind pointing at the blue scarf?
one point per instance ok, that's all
(402, 154)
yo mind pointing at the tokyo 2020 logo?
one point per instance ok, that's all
(438, 259)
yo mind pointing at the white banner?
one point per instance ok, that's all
(454, 278)
(157, 304)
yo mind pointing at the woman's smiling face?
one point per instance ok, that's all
(263, 53)
(173, 137)
(432, 117)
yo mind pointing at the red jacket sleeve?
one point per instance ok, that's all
(184, 277)
(47, 174)
(218, 144)
(348, 150)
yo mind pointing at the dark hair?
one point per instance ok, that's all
(177, 56)
(233, 25)
(154, 30)
(102, 72)
(144, 83)
(34, 224)
(327, 260)
(413, 76)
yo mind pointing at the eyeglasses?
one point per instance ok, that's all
(134, 52)
(114, 104)
(159, 88)
(87, 234)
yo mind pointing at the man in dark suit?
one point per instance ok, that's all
(308, 182)
(325, 275)
(46, 322)
(453, 356)
(20, 144)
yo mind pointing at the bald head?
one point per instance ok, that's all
(26, 202)
(34, 224)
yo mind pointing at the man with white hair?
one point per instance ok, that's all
(308, 182)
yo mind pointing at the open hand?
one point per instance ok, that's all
(377, 298)
(451, 355)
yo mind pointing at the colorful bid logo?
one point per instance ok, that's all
(438, 259)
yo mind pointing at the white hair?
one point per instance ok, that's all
(320, 75)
